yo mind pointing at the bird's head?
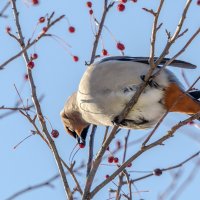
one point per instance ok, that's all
(72, 120)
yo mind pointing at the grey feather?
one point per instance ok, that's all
(145, 60)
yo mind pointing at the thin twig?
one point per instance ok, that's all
(4, 9)
(179, 53)
(48, 182)
(155, 28)
(91, 149)
(100, 27)
(123, 160)
(171, 186)
(140, 152)
(173, 38)
(30, 44)
(16, 108)
(37, 104)
(187, 181)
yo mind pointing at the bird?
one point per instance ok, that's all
(108, 85)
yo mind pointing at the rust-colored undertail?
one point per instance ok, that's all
(176, 101)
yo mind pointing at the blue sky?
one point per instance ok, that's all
(57, 76)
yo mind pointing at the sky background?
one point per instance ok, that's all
(57, 76)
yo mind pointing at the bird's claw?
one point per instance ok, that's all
(151, 82)
(116, 122)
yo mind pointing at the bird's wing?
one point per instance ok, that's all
(145, 60)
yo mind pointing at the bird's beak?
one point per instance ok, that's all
(79, 130)
(81, 136)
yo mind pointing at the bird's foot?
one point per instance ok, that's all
(116, 122)
(151, 82)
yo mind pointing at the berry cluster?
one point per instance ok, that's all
(89, 5)
(31, 64)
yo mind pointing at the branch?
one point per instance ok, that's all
(155, 28)
(167, 169)
(122, 174)
(16, 108)
(42, 184)
(140, 152)
(4, 9)
(91, 148)
(175, 36)
(37, 105)
(187, 181)
(30, 44)
(179, 53)
(101, 24)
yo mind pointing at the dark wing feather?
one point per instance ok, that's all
(145, 60)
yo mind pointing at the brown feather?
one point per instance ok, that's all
(176, 100)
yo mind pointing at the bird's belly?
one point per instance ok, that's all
(102, 109)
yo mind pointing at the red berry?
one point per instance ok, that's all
(41, 20)
(90, 11)
(110, 159)
(198, 2)
(89, 4)
(123, 1)
(120, 46)
(121, 7)
(75, 58)
(157, 172)
(81, 145)
(129, 165)
(71, 29)
(134, 1)
(116, 160)
(104, 52)
(8, 29)
(30, 65)
(44, 29)
(107, 176)
(26, 77)
(34, 56)
(35, 2)
(54, 133)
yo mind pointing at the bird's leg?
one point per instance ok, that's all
(116, 122)
(127, 122)
(151, 82)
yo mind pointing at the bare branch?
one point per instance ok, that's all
(187, 181)
(179, 53)
(30, 44)
(101, 24)
(37, 105)
(172, 39)
(16, 108)
(91, 149)
(140, 152)
(4, 9)
(47, 183)
(153, 35)
(150, 11)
